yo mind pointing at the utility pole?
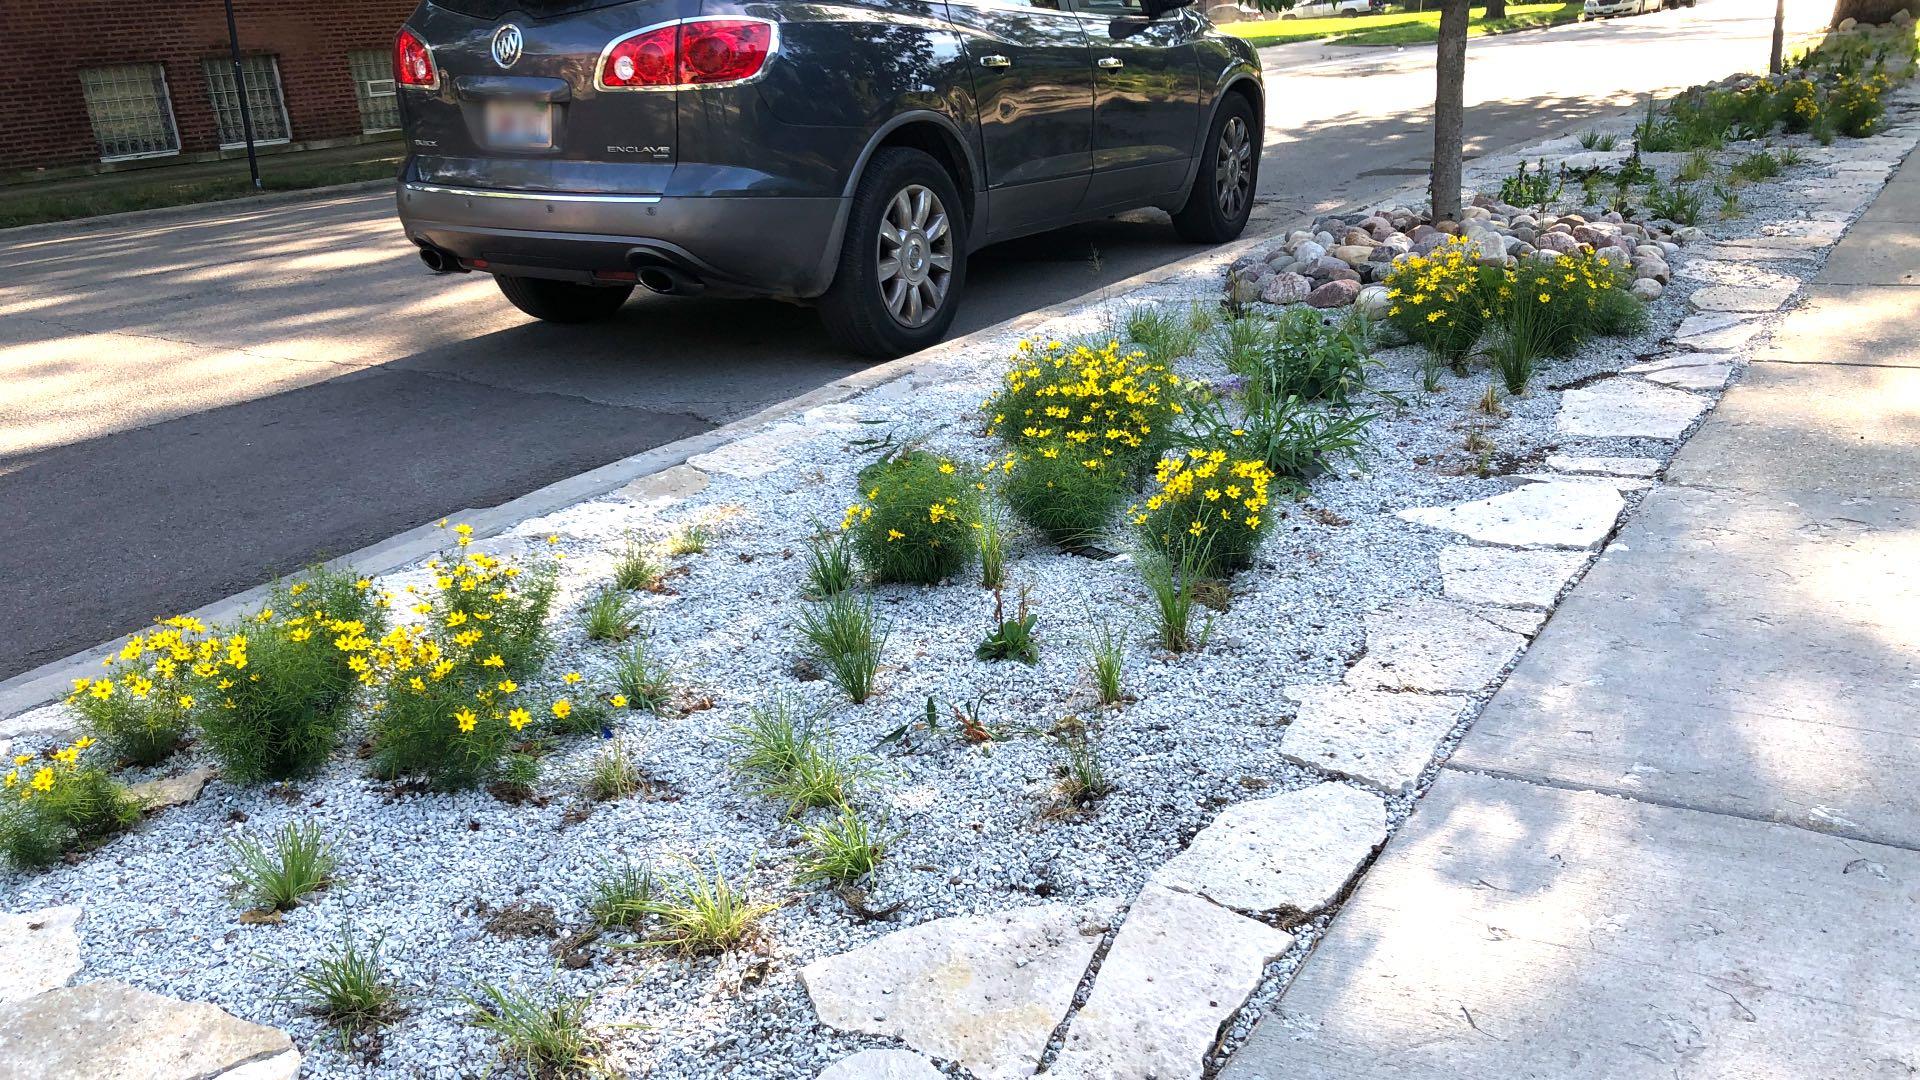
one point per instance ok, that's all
(1777, 62)
(240, 91)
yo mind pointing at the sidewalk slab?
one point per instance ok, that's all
(1884, 252)
(1789, 429)
(1516, 931)
(1737, 653)
(1868, 325)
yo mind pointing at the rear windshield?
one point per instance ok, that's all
(539, 9)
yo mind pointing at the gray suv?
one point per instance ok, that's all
(848, 153)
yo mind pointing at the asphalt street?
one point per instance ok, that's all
(191, 406)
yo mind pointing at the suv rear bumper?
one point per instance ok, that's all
(739, 245)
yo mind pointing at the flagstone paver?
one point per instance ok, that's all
(111, 1031)
(1433, 646)
(983, 990)
(1377, 737)
(1567, 515)
(1290, 853)
(1178, 968)
(1628, 408)
(882, 1065)
(39, 950)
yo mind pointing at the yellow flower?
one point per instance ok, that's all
(618, 701)
(186, 701)
(465, 719)
(83, 742)
(22, 759)
(43, 780)
(508, 686)
(563, 708)
(571, 678)
(519, 718)
(895, 534)
(493, 661)
(946, 467)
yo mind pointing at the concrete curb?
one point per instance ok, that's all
(159, 214)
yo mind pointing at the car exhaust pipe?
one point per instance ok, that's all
(666, 279)
(440, 262)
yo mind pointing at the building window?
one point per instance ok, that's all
(373, 86)
(263, 100)
(131, 112)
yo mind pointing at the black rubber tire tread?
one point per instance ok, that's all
(562, 301)
(1200, 220)
(851, 308)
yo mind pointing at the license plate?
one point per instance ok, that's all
(519, 125)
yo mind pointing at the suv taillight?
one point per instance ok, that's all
(413, 62)
(696, 52)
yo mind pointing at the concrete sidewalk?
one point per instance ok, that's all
(1684, 839)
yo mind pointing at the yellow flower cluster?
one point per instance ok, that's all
(1205, 506)
(34, 777)
(1092, 405)
(1441, 288)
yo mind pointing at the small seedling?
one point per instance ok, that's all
(613, 775)
(829, 565)
(842, 850)
(638, 570)
(845, 638)
(348, 988)
(993, 549)
(1107, 664)
(1175, 592)
(518, 774)
(642, 678)
(275, 878)
(547, 1036)
(699, 914)
(620, 899)
(1083, 781)
(688, 540)
(1012, 638)
(609, 616)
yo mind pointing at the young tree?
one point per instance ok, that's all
(1449, 110)
(1872, 11)
(1776, 61)
(1496, 9)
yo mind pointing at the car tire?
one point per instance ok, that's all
(562, 301)
(1229, 173)
(903, 258)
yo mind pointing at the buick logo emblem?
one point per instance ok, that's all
(506, 45)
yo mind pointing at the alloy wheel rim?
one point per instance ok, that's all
(914, 253)
(1233, 168)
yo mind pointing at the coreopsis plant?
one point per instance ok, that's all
(916, 520)
(276, 687)
(1069, 495)
(1854, 107)
(58, 802)
(1443, 300)
(142, 707)
(1094, 403)
(1206, 510)
(451, 701)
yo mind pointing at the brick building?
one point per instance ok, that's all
(108, 84)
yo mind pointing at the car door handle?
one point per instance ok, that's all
(1110, 63)
(995, 61)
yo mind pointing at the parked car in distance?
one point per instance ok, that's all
(1598, 9)
(1322, 9)
(844, 153)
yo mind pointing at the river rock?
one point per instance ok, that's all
(1308, 250)
(1646, 289)
(1288, 288)
(1338, 293)
(1373, 301)
(1353, 254)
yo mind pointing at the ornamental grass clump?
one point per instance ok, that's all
(349, 988)
(846, 639)
(697, 914)
(1443, 300)
(1205, 510)
(545, 1036)
(57, 803)
(843, 849)
(275, 876)
(916, 519)
(142, 708)
(277, 688)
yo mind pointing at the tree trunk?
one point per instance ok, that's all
(1777, 60)
(1449, 108)
(1496, 9)
(1871, 11)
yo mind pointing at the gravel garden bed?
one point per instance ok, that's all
(1348, 595)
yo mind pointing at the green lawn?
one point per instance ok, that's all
(31, 204)
(1403, 28)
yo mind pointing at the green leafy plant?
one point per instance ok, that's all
(698, 913)
(613, 775)
(609, 616)
(643, 679)
(690, 539)
(350, 988)
(546, 1036)
(1069, 498)
(518, 774)
(1442, 300)
(1083, 780)
(1757, 166)
(1598, 140)
(275, 876)
(1164, 335)
(1679, 203)
(637, 570)
(993, 549)
(57, 803)
(1302, 355)
(1536, 188)
(914, 522)
(842, 849)
(829, 564)
(1618, 313)
(620, 900)
(1174, 588)
(1011, 638)
(1730, 204)
(845, 639)
(1107, 664)
(1697, 167)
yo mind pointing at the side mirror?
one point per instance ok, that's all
(1156, 8)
